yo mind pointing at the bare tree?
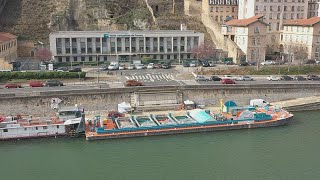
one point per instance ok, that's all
(203, 51)
(43, 54)
(300, 54)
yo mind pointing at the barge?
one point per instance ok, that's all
(230, 117)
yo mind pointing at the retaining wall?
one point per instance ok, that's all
(103, 99)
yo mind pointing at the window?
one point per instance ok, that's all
(45, 127)
(36, 128)
(25, 129)
(57, 126)
(5, 130)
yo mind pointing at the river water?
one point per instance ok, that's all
(288, 152)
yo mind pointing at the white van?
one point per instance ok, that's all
(113, 66)
(259, 103)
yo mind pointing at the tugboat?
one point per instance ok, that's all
(68, 121)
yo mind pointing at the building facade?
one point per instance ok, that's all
(274, 12)
(304, 34)
(86, 46)
(8, 50)
(250, 36)
(223, 10)
(313, 8)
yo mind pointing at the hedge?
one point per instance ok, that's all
(41, 75)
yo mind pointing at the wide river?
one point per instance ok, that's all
(288, 152)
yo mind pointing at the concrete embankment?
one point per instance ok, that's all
(108, 98)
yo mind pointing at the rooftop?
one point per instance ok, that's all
(6, 37)
(302, 22)
(244, 22)
(125, 32)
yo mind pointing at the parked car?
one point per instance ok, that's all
(286, 78)
(50, 83)
(273, 78)
(166, 65)
(215, 78)
(113, 66)
(201, 78)
(62, 69)
(35, 84)
(76, 69)
(227, 77)
(115, 114)
(193, 64)
(121, 67)
(185, 64)
(12, 85)
(310, 62)
(150, 66)
(227, 81)
(133, 83)
(212, 64)
(205, 64)
(104, 68)
(140, 66)
(244, 78)
(313, 77)
(229, 63)
(299, 78)
(268, 62)
(158, 66)
(131, 66)
(244, 64)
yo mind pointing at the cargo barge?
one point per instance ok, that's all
(230, 117)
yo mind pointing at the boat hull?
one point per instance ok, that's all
(193, 129)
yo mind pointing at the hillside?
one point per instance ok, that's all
(35, 19)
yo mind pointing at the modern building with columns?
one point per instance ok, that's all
(86, 46)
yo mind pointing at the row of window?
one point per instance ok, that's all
(296, 38)
(8, 45)
(222, 9)
(37, 128)
(285, 16)
(278, 8)
(313, 6)
(280, 0)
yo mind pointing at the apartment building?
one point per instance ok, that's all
(274, 13)
(86, 46)
(313, 8)
(223, 10)
(249, 35)
(8, 50)
(303, 33)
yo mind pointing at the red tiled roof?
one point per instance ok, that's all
(302, 22)
(6, 36)
(243, 22)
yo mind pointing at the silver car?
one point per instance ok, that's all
(202, 78)
(244, 78)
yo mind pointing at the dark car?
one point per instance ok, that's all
(313, 77)
(205, 64)
(35, 84)
(244, 64)
(133, 83)
(299, 78)
(185, 64)
(166, 65)
(76, 69)
(50, 83)
(62, 69)
(215, 78)
(310, 62)
(227, 81)
(12, 85)
(286, 78)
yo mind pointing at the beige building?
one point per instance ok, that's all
(303, 33)
(222, 10)
(274, 13)
(8, 50)
(313, 8)
(249, 34)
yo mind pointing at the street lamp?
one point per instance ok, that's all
(97, 58)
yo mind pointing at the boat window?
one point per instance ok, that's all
(45, 127)
(25, 129)
(5, 130)
(57, 126)
(36, 128)
(67, 113)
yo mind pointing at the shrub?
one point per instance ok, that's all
(40, 75)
